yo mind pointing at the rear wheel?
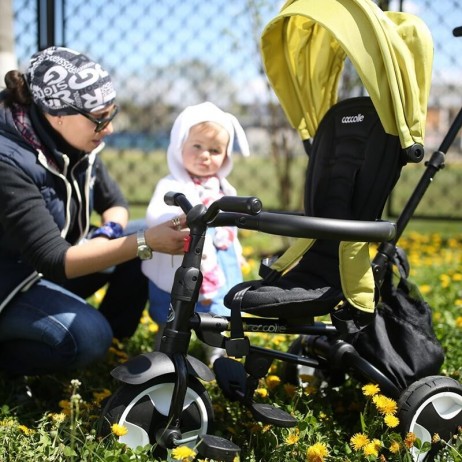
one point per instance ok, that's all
(432, 405)
(143, 411)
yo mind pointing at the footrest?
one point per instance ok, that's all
(272, 415)
(217, 448)
(231, 378)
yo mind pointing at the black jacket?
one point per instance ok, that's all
(46, 202)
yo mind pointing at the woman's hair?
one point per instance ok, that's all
(17, 90)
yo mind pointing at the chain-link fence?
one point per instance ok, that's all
(164, 55)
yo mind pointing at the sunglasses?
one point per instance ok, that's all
(101, 124)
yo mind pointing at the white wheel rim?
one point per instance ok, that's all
(161, 396)
(447, 405)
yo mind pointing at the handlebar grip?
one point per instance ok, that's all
(178, 199)
(240, 204)
(457, 32)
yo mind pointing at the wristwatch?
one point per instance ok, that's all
(144, 251)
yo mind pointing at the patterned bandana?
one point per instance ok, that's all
(58, 75)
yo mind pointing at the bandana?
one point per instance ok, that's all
(58, 75)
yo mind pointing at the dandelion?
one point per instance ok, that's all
(317, 452)
(272, 381)
(371, 449)
(370, 389)
(358, 441)
(58, 418)
(425, 289)
(262, 392)
(293, 437)
(310, 390)
(290, 389)
(65, 405)
(459, 321)
(119, 430)
(183, 453)
(25, 430)
(410, 440)
(391, 421)
(394, 447)
(385, 405)
(99, 396)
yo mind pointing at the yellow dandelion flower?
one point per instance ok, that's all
(183, 453)
(425, 289)
(25, 430)
(459, 321)
(153, 328)
(370, 449)
(247, 250)
(394, 447)
(293, 437)
(65, 405)
(391, 421)
(290, 389)
(317, 452)
(457, 277)
(384, 404)
(99, 396)
(119, 430)
(370, 389)
(262, 392)
(58, 417)
(272, 381)
(410, 440)
(358, 441)
(310, 390)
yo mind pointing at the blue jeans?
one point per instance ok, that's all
(51, 328)
(61, 332)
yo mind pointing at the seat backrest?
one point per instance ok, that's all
(353, 163)
(353, 166)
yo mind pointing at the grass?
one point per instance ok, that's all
(61, 426)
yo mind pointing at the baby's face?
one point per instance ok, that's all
(204, 150)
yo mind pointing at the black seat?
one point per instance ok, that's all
(353, 166)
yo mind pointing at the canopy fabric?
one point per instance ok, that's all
(304, 49)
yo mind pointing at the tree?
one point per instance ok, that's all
(7, 55)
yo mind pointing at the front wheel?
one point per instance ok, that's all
(143, 411)
(431, 406)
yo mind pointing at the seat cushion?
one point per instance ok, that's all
(285, 299)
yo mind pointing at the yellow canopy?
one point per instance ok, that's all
(304, 48)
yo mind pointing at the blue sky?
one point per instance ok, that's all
(149, 35)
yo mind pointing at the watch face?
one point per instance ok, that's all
(144, 252)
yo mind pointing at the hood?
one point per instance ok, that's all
(193, 115)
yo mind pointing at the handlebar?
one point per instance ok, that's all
(245, 213)
(284, 224)
(457, 32)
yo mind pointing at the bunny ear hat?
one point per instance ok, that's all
(193, 115)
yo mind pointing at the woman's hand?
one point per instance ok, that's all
(168, 237)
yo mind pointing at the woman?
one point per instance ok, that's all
(53, 120)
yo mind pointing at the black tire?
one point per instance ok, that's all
(431, 405)
(143, 410)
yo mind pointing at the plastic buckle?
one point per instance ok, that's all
(237, 347)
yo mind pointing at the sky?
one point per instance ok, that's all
(139, 38)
